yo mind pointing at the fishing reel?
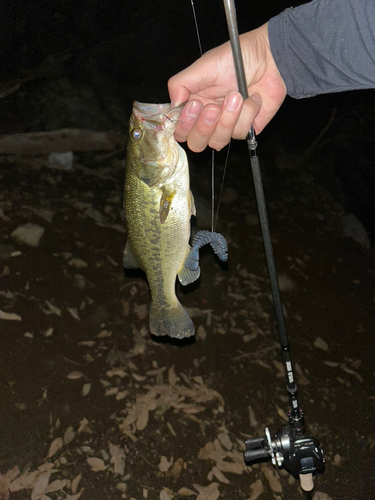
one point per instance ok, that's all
(290, 448)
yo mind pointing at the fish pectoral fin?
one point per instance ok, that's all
(128, 261)
(165, 204)
(190, 271)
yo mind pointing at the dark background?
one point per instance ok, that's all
(127, 51)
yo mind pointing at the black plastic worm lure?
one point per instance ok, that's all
(217, 242)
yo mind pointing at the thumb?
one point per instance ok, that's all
(177, 93)
(249, 112)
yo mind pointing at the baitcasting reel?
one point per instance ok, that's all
(291, 448)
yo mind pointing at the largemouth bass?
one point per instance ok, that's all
(158, 205)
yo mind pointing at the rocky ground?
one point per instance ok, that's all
(94, 408)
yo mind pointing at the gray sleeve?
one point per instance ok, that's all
(325, 46)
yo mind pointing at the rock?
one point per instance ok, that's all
(29, 234)
(63, 161)
(354, 229)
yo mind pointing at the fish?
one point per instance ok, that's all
(158, 206)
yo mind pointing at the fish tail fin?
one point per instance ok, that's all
(172, 320)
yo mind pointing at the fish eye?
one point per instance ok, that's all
(136, 134)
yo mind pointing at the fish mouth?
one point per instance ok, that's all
(158, 113)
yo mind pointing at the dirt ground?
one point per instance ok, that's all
(93, 408)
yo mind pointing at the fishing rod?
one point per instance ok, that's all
(290, 447)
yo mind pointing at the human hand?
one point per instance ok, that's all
(215, 111)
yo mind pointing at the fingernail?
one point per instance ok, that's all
(255, 97)
(211, 116)
(233, 101)
(172, 105)
(193, 110)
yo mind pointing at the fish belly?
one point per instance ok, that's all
(160, 249)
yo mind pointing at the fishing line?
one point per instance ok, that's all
(196, 27)
(222, 185)
(213, 217)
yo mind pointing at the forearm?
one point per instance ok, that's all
(325, 46)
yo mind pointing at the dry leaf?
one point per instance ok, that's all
(84, 427)
(225, 440)
(75, 375)
(96, 464)
(75, 483)
(210, 492)
(77, 263)
(164, 464)
(256, 489)
(220, 476)
(103, 334)
(10, 316)
(185, 492)
(252, 420)
(164, 495)
(76, 496)
(88, 343)
(86, 388)
(319, 495)
(52, 309)
(55, 446)
(57, 485)
(116, 372)
(121, 395)
(301, 377)
(272, 479)
(191, 408)
(280, 367)
(111, 391)
(40, 485)
(74, 313)
(23, 481)
(48, 332)
(69, 435)
(46, 466)
(234, 468)
(282, 414)
(176, 469)
(5, 481)
(157, 372)
(204, 453)
(142, 420)
(117, 459)
(216, 456)
(333, 364)
(172, 377)
(321, 344)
